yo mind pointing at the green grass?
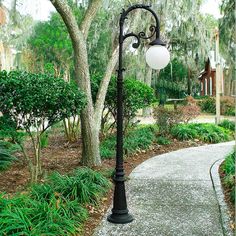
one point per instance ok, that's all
(57, 207)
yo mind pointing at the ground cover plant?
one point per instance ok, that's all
(6, 156)
(209, 133)
(56, 207)
(228, 124)
(137, 139)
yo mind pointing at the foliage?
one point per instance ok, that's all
(163, 140)
(167, 118)
(227, 124)
(206, 132)
(44, 140)
(208, 105)
(85, 185)
(228, 168)
(52, 208)
(227, 105)
(227, 29)
(137, 95)
(35, 102)
(135, 140)
(183, 132)
(6, 157)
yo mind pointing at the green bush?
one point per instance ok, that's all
(29, 100)
(137, 139)
(208, 105)
(167, 118)
(227, 124)
(136, 95)
(228, 169)
(227, 105)
(56, 207)
(163, 140)
(206, 132)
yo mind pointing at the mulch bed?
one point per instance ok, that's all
(64, 157)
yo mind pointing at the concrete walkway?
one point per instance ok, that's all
(173, 195)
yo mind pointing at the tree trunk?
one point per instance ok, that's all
(90, 136)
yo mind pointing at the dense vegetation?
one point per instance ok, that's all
(56, 207)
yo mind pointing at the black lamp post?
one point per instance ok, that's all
(120, 213)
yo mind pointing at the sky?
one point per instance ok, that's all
(40, 9)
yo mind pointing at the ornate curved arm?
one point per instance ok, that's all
(154, 29)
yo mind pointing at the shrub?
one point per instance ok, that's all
(227, 105)
(190, 111)
(36, 102)
(227, 124)
(167, 118)
(208, 105)
(228, 168)
(163, 140)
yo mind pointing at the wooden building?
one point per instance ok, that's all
(207, 77)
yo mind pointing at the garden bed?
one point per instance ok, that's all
(64, 157)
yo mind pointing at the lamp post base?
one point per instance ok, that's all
(120, 218)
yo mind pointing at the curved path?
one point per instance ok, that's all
(173, 195)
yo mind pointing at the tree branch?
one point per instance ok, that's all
(89, 16)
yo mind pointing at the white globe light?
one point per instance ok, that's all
(157, 57)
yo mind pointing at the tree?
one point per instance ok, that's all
(228, 42)
(92, 114)
(34, 102)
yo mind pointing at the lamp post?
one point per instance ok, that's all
(157, 57)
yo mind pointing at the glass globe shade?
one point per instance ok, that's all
(157, 57)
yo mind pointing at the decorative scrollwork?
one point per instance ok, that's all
(134, 45)
(142, 34)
